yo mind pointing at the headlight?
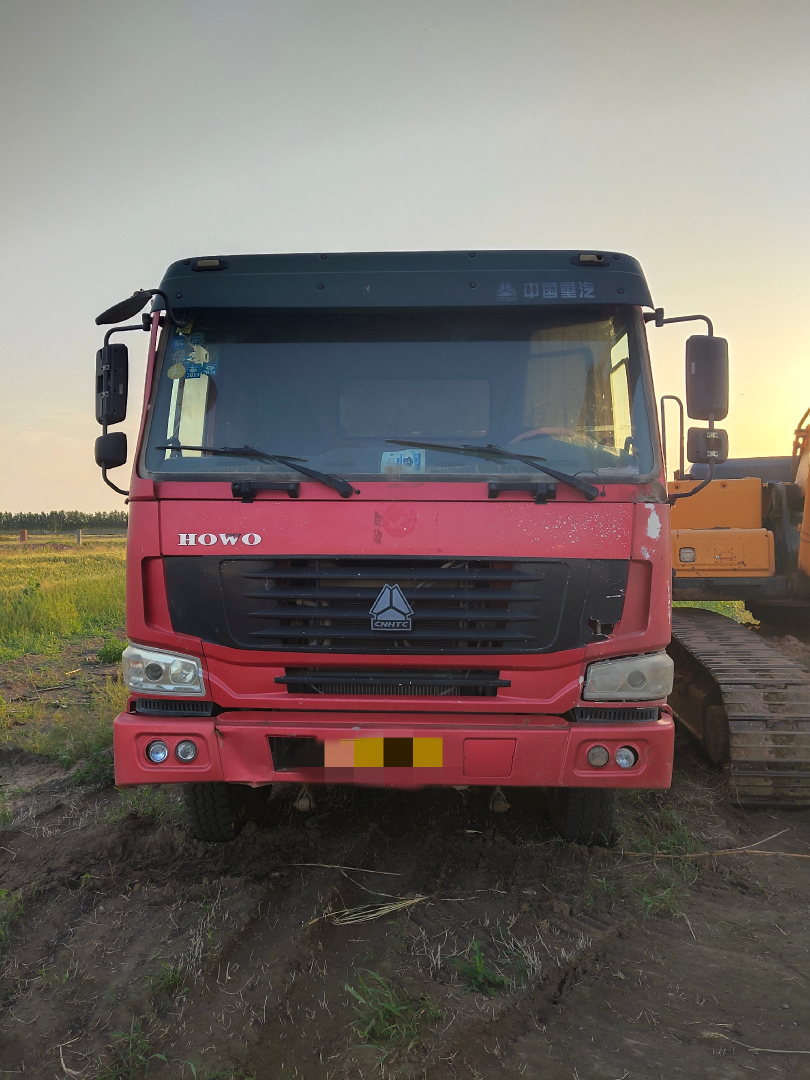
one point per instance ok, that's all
(159, 672)
(633, 678)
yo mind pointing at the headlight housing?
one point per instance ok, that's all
(633, 678)
(156, 672)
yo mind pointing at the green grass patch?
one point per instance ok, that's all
(111, 651)
(386, 1019)
(10, 909)
(50, 593)
(160, 804)
(130, 1055)
(732, 609)
(170, 980)
(479, 976)
(65, 735)
(660, 899)
(652, 821)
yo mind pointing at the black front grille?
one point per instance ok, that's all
(590, 715)
(397, 683)
(458, 606)
(173, 707)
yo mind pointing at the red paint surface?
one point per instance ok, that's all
(476, 527)
(548, 751)
(388, 518)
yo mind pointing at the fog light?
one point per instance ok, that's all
(626, 757)
(185, 750)
(598, 756)
(157, 751)
(686, 554)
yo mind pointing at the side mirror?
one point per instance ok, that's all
(704, 447)
(706, 377)
(125, 309)
(111, 450)
(112, 380)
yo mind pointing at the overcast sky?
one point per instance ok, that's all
(136, 134)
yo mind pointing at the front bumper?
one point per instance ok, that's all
(537, 751)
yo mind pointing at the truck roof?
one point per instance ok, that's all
(393, 279)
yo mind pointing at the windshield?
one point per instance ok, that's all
(332, 388)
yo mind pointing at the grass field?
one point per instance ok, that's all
(61, 637)
(53, 592)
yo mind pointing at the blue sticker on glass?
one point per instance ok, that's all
(179, 343)
(193, 371)
(197, 339)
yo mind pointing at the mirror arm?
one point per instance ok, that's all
(657, 317)
(164, 296)
(688, 494)
(120, 330)
(672, 397)
(109, 482)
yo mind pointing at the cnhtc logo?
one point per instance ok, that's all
(391, 611)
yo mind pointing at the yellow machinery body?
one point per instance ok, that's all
(745, 537)
(719, 532)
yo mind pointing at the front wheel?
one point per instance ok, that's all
(216, 811)
(584, 815)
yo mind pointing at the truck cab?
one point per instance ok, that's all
(398, 519)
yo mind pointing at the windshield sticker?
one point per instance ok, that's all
(200, 363)
(176, 371)
(507, 291)
(179, 342)
(197, 339)
(187, 328)
(403, 461)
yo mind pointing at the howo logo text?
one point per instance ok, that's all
(208, 539)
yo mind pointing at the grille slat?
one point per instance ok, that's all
(393, 683)
(404, 573)
(607, 715)
(338, 634)
(428, 615)
(297, 593)
(173, 707)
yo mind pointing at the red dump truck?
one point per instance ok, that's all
(395, 519)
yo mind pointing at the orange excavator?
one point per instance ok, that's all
(745, 535)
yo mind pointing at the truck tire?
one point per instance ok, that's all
(215, 811)
(584, 815)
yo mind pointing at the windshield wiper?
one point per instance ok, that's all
(341, 486)
(588, 490)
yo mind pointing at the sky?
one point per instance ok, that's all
(136, 134)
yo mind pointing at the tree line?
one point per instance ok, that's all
(54, 521)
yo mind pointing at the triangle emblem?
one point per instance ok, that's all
(391, 611)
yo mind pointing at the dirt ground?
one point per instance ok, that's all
(129, 947)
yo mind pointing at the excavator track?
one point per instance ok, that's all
(746, 703)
